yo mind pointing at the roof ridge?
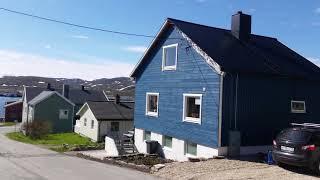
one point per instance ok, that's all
(228, 30)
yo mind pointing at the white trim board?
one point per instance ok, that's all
(173, 67)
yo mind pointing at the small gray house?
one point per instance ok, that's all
(100, 119)
(54, 108)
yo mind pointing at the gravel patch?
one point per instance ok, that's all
(230, 169)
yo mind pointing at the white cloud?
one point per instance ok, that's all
(137, 49)
(317, 11)
(316, 61)
(201, 1)
(252, 10)
(80, 37)
(23, 64)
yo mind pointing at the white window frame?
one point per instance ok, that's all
(62, 115)
(148, 113)
(191, 119)
(144, 135)
(164, 139)
(173, 67)
(298, 111)
(186, 149)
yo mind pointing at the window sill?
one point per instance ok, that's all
(167, 148)
(152, 114)
(169, 68)
(299, 112)
(192, 120)
(190, 155)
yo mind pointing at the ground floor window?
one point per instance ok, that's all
(85, 122)
(167, 141)
(192, 107)
(92, 124)
(298, 106)
(191, 148)
(152, 103)
(115, 126)
(147, 136)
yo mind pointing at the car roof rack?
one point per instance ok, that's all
(310, 125)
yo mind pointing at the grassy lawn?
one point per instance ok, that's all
(58, 142)
(7, 124)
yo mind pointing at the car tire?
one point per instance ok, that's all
(316, 168)
(282, 165)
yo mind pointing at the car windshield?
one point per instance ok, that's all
(295, 135)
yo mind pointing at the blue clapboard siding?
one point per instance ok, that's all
(264, 106)
(192, 76)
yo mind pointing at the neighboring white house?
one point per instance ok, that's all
(100, 119)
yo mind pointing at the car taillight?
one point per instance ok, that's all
(274, 143)
(309, 147)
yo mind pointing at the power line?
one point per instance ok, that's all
(75, 25)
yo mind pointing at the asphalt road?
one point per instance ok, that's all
(24, 161)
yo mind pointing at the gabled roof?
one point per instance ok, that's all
(77, 96)
(110, 110)
(259, 55)
(44, 95)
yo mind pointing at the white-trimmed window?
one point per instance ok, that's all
(92, 124)
(192, 108)
(63, 114)
(167, 141)
(85, 122)
(298, 106)
(146, 135)
(169, 57)
(190, 148)
(152, 104)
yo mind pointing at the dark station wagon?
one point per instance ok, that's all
(298, 146)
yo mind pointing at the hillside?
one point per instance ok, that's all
(13, 84)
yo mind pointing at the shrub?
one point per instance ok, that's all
(37, 129)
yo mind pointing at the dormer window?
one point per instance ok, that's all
(169, 57)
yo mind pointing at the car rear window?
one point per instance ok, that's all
(295, 135)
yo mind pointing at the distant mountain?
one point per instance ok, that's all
(121, 85)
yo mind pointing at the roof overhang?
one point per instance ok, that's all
(13, 103)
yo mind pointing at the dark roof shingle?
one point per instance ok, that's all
(112, 111)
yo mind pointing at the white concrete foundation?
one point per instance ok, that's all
(110, 147)
(177, 152)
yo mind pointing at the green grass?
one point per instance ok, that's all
(54, 141)
(7, 124)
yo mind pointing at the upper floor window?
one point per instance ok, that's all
(192, 108)
(298, 107)
(152, 104)
(63, 114)
(169, 57)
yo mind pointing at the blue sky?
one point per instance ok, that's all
(34, 47)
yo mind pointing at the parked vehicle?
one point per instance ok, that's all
(298, 146)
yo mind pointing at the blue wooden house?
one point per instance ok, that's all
(203, 91)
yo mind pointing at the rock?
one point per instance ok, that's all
(157, 167)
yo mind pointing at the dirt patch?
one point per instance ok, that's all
(230, 169)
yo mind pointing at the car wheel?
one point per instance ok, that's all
(282, 165)
(316, 168)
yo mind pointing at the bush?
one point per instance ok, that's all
(37, 129)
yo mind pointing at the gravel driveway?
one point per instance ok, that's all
(230, 169)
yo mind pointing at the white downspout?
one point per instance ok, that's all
(220, 108)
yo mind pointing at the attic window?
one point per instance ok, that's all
(298, 107)
(169, 57)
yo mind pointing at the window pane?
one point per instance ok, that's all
(298, 106)
(191, 148)
(167, 141)
(153, 103)
(170, 56)
(147, 135)
(193, 107)
(92, 124)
